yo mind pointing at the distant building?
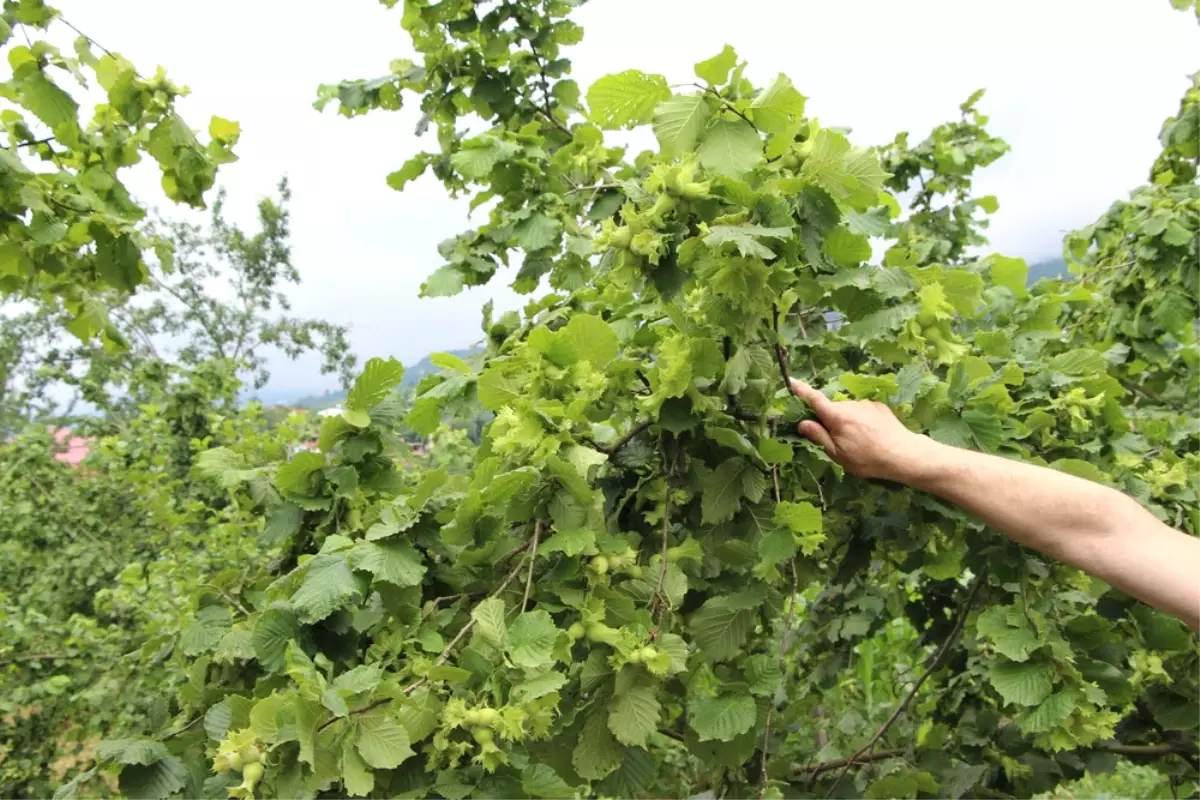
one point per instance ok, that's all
(74, 448)
(334, 411)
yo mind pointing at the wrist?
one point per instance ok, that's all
(920, 463)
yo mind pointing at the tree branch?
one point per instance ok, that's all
(980, 580)
(657, 602)
(781, 357)
(626, 439)
(94, 43)
(813, 770)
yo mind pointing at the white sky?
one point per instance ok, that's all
(1078, 88)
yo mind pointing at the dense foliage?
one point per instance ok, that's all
(642, 583)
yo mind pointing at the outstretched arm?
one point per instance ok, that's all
(1089, 526)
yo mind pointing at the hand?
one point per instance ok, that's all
(863, 436)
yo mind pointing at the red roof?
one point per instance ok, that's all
(75, 448)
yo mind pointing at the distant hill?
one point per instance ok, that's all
(1048, 268)
(412, 376)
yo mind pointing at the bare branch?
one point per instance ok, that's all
(934, 664)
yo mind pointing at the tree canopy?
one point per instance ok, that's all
(642, 583)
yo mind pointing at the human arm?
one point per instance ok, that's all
(1095, 528)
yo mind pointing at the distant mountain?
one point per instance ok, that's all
(412, 376)
(1048, 268)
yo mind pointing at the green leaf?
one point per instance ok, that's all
(328, 585)
(715, 71)
(874, 222)
(449, 361)
(1079, 362)
(381, 741)
(357, 779)
(489, 621)
(132, 751)
(1012, 273)
(1052, 712)
(394, 561)
(846, 249)
(731, 148)
(598, 752)
(849, 175)
(737, 369)
(799, 517)
(633, 715)
(275, 629)
(540, 780)
(720, 630)
(570, 542)
(746, 238)
(409, 171)
(356, 417)
(530, 640)
(725, 487)
(1026, 684)
(537, 232)
(217, 720)
(224, 466)
(152, 781)
(678, 123)
(205, 631)
(496, 390)
(591, 339)
(626, 99)
(537, 687)
(899, 785)
(445, 281)
(378, 379)
(47, 101)
(724, 717)
(779, 109)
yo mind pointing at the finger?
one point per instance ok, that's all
(815, 432)
(821, 404)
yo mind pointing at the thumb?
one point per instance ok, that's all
(815, 432)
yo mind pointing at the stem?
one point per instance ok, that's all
(726, 103)
(783, 639)
(825, 766)
(933, 665)
(537, 533)
(626, 439)
(657, 598)
(453, 642)
(781, 357)
(94, 43)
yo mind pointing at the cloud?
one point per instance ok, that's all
(1078, 88)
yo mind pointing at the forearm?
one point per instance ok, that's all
(1089, 526)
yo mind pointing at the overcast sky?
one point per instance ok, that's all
(1078, 88)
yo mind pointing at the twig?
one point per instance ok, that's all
(1147, 749)
(36, 142)
(781, 357)
(726, 103)
(445, 656)
(933, 665)
(825, 766)
(96, 44)
(626, 439)
(227, 598)
(783, 639)
(537, 534)
(187, 727)
(656, 601)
